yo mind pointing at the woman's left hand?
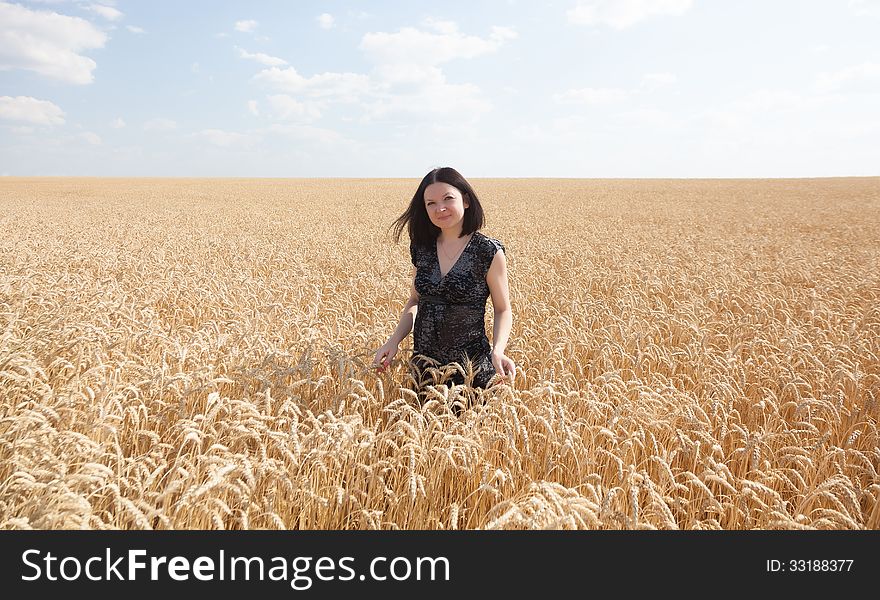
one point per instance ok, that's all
(504, 366)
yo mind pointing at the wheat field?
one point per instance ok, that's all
(195, 354)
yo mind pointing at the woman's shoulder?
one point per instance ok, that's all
(490, 244)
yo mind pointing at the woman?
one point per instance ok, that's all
(455, 269)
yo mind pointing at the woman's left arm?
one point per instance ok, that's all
(496, 278)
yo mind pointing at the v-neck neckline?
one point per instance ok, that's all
(457, 260)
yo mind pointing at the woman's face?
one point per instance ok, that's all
(445, 205)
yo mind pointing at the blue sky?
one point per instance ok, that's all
(495, 88)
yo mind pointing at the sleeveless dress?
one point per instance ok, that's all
(450, 322)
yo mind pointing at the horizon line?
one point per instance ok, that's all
(233, 177)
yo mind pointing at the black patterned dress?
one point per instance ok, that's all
(450, 322)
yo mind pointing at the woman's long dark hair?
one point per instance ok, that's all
(421, 231)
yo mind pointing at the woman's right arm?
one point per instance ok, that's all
(408, 317)
(386, 353)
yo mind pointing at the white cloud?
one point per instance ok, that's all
(432, 95)
(286, 108)
(592, 96)
(92, 138)
(407, 74)
(134, 29)
(117, 123)
(30, 110)
(108, 12)
(342, 86)
(851, 76)
(501, 34)
(265, 59)
(441, 26)
(253, 108)
(326, 20)
(413, 46)
(47, 43)
(160, 124)
(620, 14)
(245, 26)
(865, 8)
(406, 77)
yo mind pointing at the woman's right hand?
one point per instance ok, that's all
(384, 356)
